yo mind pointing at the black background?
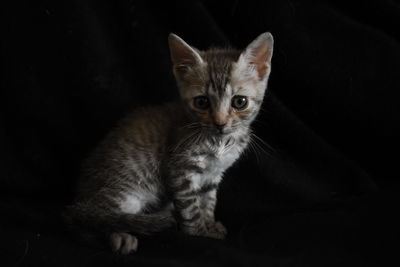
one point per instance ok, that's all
(325, 194)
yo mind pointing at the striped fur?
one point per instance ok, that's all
(162, 165)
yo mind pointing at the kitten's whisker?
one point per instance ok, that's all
(255, 151)
(182, 142)
(258, 146)
(191, 125)
(269, 147)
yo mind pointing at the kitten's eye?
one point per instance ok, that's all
(201, 102)
(239, 102)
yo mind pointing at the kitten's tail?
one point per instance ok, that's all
(103, 220)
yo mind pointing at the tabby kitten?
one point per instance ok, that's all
(162, 165)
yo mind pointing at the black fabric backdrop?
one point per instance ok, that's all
(326, 194)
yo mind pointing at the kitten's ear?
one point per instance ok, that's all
(183, 56)
(258, 54)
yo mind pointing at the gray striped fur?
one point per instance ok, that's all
(162, 165)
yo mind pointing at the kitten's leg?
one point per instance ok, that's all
(123, 242)
(187, 205)
(195, 218)
(209, 201)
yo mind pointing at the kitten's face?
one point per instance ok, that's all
(223, 89)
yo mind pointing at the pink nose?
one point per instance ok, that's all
(220, 120)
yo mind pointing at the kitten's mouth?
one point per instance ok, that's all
(222, 132)
(216, 132)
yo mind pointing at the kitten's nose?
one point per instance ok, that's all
(220, 126)
(220, 120)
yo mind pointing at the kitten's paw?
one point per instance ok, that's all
(217, 230)
(123, 243)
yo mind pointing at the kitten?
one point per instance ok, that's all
(162, 165)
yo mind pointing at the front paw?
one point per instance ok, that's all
(216, 230)
(211, 229)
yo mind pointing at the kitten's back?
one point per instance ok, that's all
(141, 138)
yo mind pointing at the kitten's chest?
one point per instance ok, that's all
(216, 159)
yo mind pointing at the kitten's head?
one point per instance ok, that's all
(222, 89)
